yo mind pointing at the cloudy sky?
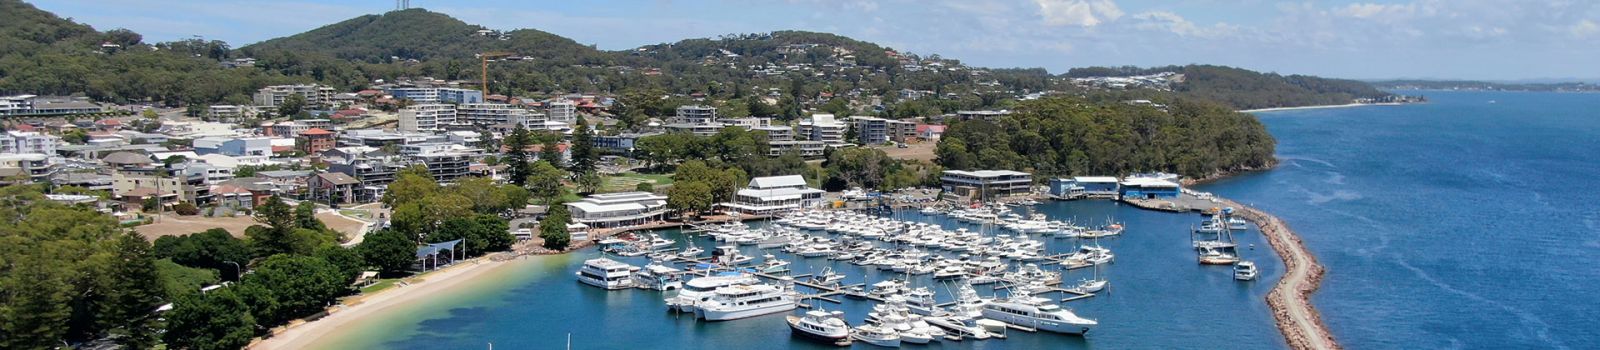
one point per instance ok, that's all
(1467, 39)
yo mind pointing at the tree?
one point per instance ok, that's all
(389, 251)
(295, 286)
(410, 186)
(150, 113)
(217, 320)
(553, 228)
(645, 187)
(692, 196)
(545, 182)
(481, 233)
(517, 166)
(589, 182)
(278, 236)
(212, 249)
(292, 106)
(584, 155)
(348, 261)
(130, 294)
(305, 216)
(550, 151)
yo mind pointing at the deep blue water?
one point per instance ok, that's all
(1455, 224)
(1159, 298)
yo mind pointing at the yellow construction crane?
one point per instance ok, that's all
(484, 58)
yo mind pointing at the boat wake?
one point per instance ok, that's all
(1528, 320)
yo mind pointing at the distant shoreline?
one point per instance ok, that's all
(1348, 105)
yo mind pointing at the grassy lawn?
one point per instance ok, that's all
(381, 285)
(628, 181)
(359, 214)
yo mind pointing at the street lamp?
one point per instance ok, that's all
(238, 273)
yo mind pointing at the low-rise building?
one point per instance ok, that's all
(316, 140)
(609, 210)
(985, 185)
(432, 95)
(14, 142)
(35, 166)
(1084, 186)
(225, 112)
(803, 148)
(331, 188)
(1150, 186)
(775, 194)
(561, 111)
(485, 114)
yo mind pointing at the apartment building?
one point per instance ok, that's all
(427, 117)
(317, 96)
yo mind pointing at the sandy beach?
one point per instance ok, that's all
(301, 335)
(1317, 107)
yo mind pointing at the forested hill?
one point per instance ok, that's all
(1102, 135)
(1246, 89)
(422, 35)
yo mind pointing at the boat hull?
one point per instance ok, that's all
(734, 314)
(1035, 323)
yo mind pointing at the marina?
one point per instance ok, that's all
(1152, 270)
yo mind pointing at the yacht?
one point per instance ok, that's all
(960, 327)
(701, 289)
(1087, 256)
(659, 277)
(1217, 256)
(1237, 224)
(1037, 313)
(729, 256)
(655, 242)
(691, 252)
(1245, 271)
(876, 335)
(885, 288)
(827, 277)
(743, 301)
(606, 273)
(772, 265)
(821, 326)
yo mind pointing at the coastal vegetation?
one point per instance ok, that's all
(1245, 89)
(1078, 136)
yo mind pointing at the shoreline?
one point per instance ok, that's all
(360, 308)
(1290, 299)
(1348, 105)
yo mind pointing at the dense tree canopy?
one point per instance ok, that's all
(1074, 136)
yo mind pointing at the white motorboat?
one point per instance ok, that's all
(1245, 271)
(823, 326)
(827, 277)
(701, 289)
(1217, 256)
(960, 327)
(876, 335)
(691, 252)
(744, 301)
(772, 265)
(659, 277)
(1087, 256)
(885, 288)
(606, 273)
(1237, 224)
(655, 242)
(729, 256)
(1037, 313)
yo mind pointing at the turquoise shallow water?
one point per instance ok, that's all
(1159, 298)
(1455, 224)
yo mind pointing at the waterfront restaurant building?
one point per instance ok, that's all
(775, 194)
(609, 210)
(985, 185)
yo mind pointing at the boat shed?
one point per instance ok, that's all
(1149, 188)
(1084, 186)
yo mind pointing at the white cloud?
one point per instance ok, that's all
(1083, 13)
(1584, 29)
(1372, 11)
(1172, 22)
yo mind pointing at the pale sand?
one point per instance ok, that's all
(354, 310)
(1318, 107)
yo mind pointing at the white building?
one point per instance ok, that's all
(485, 114)
(823, 128)
(618, 209)
(15, 105)
(695, 114)
(561, 111)
(28, 142)
(775, 194)
(985, 185)
(316, 95)
(427, 117)
(225, 112)
(874, 130)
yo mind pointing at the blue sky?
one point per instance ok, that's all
(1468, 39)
